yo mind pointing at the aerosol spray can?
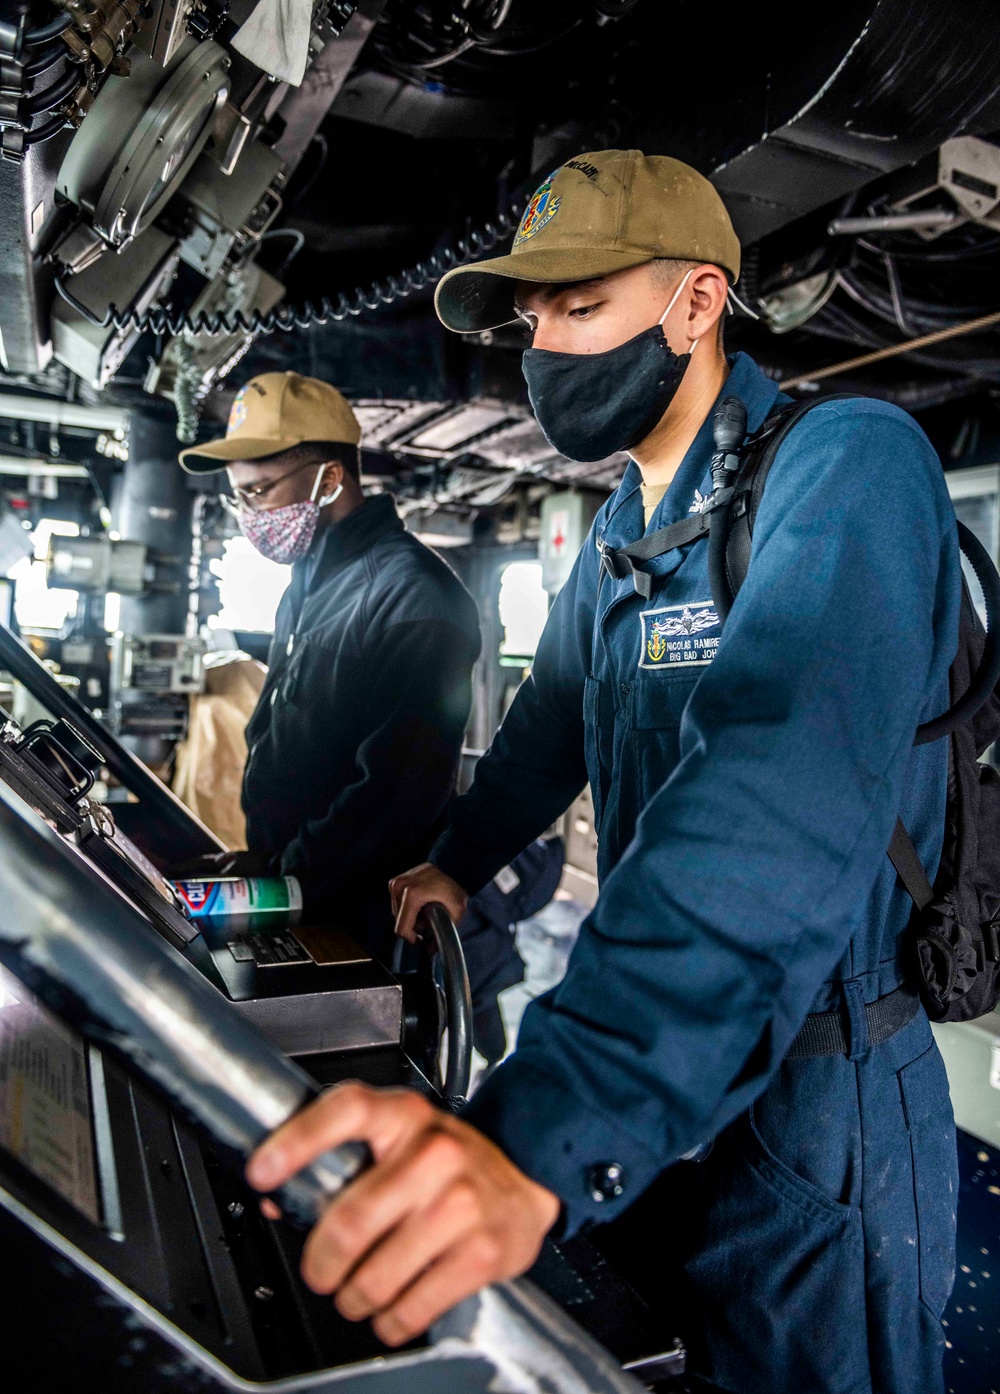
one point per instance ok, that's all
(242, 902)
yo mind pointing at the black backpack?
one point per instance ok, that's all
(954, 936)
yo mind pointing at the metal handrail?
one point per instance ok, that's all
(187, 835)
(90, 957)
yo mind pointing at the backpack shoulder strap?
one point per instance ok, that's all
(908, 866)
(737, 522)
(757, 457)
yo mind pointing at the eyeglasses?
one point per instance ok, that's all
(250, 498)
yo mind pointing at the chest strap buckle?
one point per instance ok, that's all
(611, 561)
(620, 562)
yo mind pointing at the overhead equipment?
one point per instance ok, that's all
(141, 137)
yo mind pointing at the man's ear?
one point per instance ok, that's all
(709, 290)
(333, 477)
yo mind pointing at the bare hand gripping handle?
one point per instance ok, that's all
(89, 956)
(92, 958)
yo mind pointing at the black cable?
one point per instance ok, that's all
(919, 291)
(921, 316)
(896, 295)
(53, 95)
(288, 317)
(501, 10)
(324, 152)
(961, 244)
(49, 128)
(44, 32)
(298, 242)
(485, 31)
(429, 39)
(442, 58)
(494, 52)
(835, 322)
(48, 58)
(876, 280)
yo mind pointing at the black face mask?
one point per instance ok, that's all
(591, 404)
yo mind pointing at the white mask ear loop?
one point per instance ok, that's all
(673, 301)
(328, 498)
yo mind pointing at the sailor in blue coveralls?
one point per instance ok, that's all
(745, 784)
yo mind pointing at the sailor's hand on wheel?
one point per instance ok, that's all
(421, 886)
(440, 1214)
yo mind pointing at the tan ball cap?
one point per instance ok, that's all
(598, 213)
(272, 413)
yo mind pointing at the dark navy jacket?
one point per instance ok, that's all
(355, 742)
(745, 789)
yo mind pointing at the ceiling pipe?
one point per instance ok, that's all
(57, 413)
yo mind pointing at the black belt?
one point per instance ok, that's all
(826, 1033)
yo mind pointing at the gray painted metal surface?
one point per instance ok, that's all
(310, 1023)
(175, 824)
(90, 957)
(509, 1339)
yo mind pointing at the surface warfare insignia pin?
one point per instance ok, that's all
(541, 210)
(676, 636)
(701, 502)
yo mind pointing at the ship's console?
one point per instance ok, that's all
(143, 1055)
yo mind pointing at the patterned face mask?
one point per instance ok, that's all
(285, 534)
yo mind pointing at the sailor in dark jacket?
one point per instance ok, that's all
(355, 742)
(744, 976)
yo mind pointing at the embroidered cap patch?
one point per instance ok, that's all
(676, 636)
(541, 209)
(238, 412)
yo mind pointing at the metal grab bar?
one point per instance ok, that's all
(93, 960)
(187, 834)
(89, 956)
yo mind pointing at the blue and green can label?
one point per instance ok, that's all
(243, 900)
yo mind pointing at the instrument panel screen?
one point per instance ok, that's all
(45, 1104)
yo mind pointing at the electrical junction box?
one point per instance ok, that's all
(131, 279)
(160, 663)
(228, 208)
(566, 520)
(245, 288)
(164, 29)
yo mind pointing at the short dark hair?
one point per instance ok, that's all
(319, 452)
(342, 451)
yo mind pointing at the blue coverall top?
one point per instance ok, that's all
(745, 788)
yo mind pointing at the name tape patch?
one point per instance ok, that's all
(676, 636)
